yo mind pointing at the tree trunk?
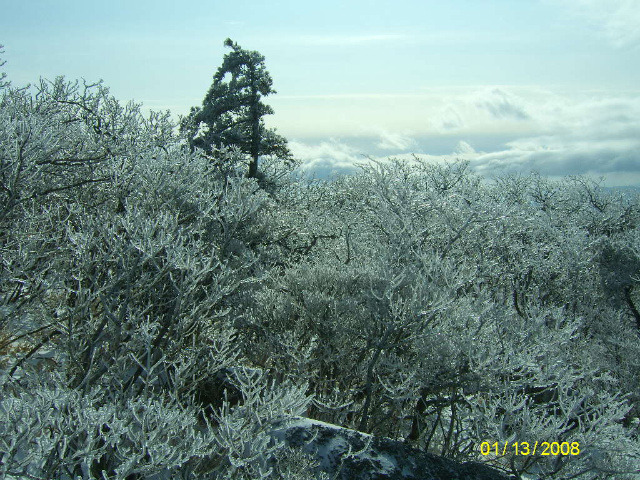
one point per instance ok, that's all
(255, 132)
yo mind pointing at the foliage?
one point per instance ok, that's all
(160, 313)
(123, 257)
(423, 303)
(232, 110)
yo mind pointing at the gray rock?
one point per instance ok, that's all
(351, 455)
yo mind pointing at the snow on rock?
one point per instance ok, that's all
(351, 455)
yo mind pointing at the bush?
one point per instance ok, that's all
(159, 313)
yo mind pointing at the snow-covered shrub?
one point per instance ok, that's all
(124, 256)
(412, 301)
(429, 305)
(247, 448)
(48, 430)
(52, 431)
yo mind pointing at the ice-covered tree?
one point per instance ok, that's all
(123, 258)
(232, 110)
(160, 313)
(422, 303)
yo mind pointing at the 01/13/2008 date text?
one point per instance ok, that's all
(526, 449)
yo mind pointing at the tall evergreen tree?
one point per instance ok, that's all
(232, 110)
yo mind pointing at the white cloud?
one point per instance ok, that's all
(464, 148)
(486, 109)
(326, 157)
(501, 104)
(588, 133)
(436, 111)
(598, 135)
(611, 161)
(450, 119)
(619, 20)
(395, 141)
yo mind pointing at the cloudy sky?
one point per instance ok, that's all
(513, 86)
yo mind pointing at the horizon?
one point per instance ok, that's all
(539, 85)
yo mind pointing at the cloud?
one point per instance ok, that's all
(464, 148)
(501, 130)
(436, 110)
(395, 141)
(493, 108)
(608, 160)
(450, 119)
(619, 20)
(598, 135)
(327, 157)
(502, 105)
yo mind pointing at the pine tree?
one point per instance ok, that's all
(232, 110)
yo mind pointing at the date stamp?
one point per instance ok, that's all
(527, 449)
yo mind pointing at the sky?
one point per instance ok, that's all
(512, 86)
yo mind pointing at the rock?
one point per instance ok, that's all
(353, 455)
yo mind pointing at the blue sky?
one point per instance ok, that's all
(512, 86)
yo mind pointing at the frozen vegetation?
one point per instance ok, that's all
(162, 315)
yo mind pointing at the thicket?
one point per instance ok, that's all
(160, 312)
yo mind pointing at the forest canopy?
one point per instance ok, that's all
(160, 311)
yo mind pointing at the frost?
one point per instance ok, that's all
(162, 316)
